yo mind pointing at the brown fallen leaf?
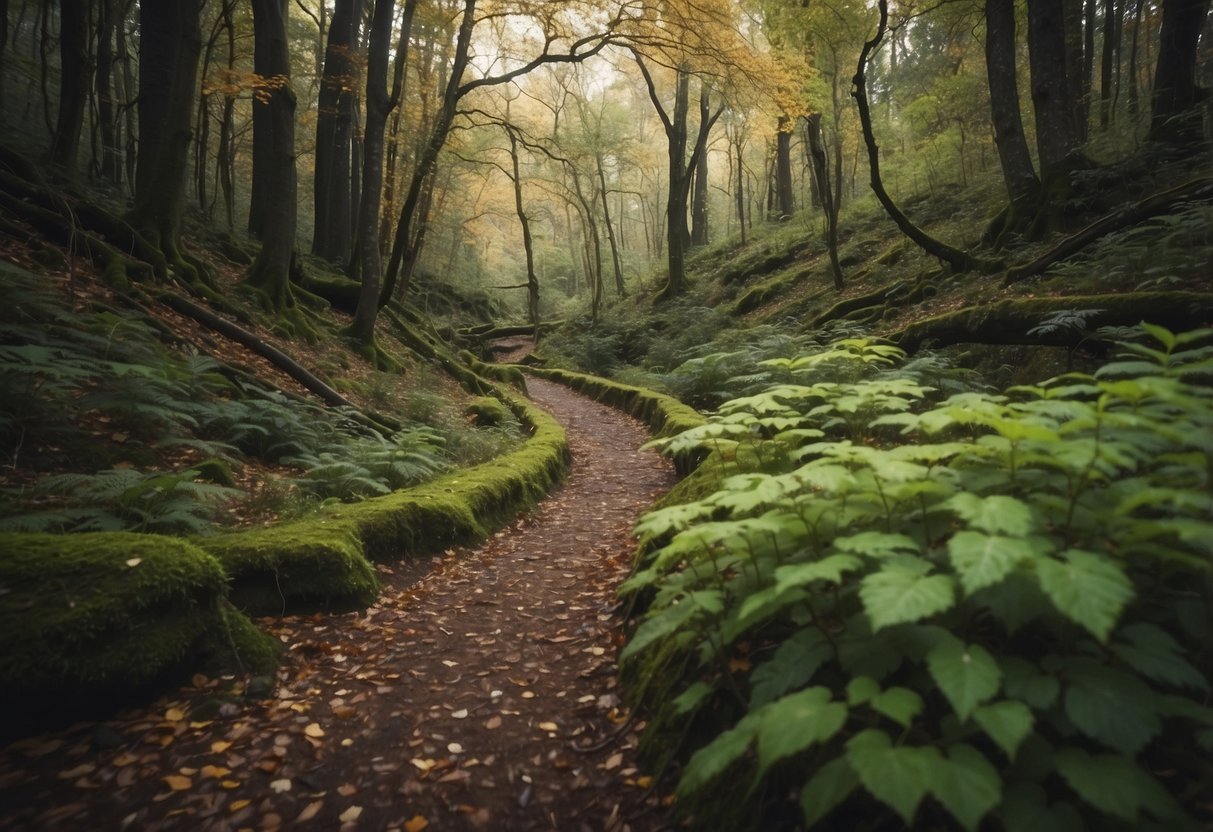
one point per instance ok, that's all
(548, 726)
(281, 785)
(415, 824)
(174, 715)
(78, 771)
(215, 771)
(614, 761)
(314, 730)
(347, 789)
(310, 811)
(237, 805)
(350, 815)
(493, 722)
(219, 746)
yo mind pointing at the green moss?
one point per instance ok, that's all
(215, 470)
(316, 561)
(504, 373)
(89, 615)
(487, 412)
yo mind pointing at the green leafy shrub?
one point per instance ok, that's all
(372, 465)
(943, 610)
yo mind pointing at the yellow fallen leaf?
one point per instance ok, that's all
(460, 714)
(178, 782)
(548, 726)
(123, 760)
(215, 771)
(237, 805)
(174, 715)
(133, 562)
(424, 765)
(614, 761)
(219, 746)
(644, 782)
(350, 815)
(415, 824)
(314, 730)
(230, 784)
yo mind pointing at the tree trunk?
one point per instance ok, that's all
(1013, 154)
(270, 273)
(224, 164)
(784, 198)
(528, 246)
(74, 82)
(1078, 90)
(821, 176)
(1056, 132)
(1175, 120)
(739, 196)
(170, 46)
(1134, 85)
(1111, 34)
(331, 186)
(110, 166)
(699, 198)
(1087, 62)
(620, 289)
(379, 104)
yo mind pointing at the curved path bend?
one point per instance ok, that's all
(466, 697)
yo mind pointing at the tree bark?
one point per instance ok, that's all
(1111, 35)
(620, 289)
(821, 177)
(330, 235)
(1056, 131)
(74, 82)
(699, 197)
(169, 49)
(785, 200)
(528, 246)
(270, 273)
(110, 164)
(379, 104)
(1013, 154)
(1175, 120)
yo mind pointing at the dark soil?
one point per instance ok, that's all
(478, 692)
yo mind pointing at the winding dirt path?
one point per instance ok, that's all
(465, 698)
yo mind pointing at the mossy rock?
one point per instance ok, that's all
(91, 617)
(487, 412)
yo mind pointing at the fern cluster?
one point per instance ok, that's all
(941, 606)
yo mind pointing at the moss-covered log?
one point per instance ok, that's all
(1012, 321)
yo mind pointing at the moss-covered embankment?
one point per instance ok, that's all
(101, 616)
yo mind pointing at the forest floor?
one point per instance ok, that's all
(478, 692)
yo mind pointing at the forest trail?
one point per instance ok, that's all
(464, 698)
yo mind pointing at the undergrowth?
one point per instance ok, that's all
(926, 603)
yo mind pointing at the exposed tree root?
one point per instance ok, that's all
(1010, 321)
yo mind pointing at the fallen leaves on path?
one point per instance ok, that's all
(465, 697)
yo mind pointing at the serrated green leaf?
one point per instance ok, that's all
(983, 560)
(830, 568)
(967, 785)
(826, 789)
(1089, 589)
(793, 665)
(898, 776)
(1152, 652)
(877, 544)
(994, 515)
(968, 676)
(1113, 784)
(899, 704)
(1110, 706)
(1008, 723)
(710, 761)
(793, 723)
(902, 592)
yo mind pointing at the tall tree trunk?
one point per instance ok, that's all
(111, 162)
(74, 82)
(821, 176)
(620, 289)
(331, 186)
(1175, 120)
(1111, 34)
(1134, 83)
(1056, 132)
(1013, 154)
(407, 240)
(738, 143)
(170, 45)
(270, 273)
(126, 81)
(699, 197)
(1078, 90)
(1087, 63)
(528, 245)
(785, 199)
(379, 104)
